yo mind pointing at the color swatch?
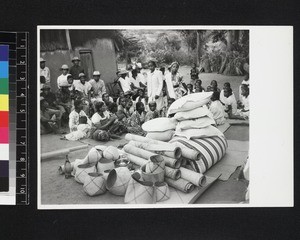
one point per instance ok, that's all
(4, 118)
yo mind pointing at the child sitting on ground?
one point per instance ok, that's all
(152, 113)
(213, 87)
(222, 98)
(198, 86)
(81, 132)
(189, 89)
(217, 109)
(243, 111)
(230, 104)
(129, 108)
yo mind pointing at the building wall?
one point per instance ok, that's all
(103, 53)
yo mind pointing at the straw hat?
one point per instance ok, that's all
(42, 60)
(64, 67)
(81, 75)
(123, 71)
(75, 59)
(96, 73)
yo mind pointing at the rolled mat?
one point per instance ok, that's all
(197, 179)
(171, 151)
(172, 173)
(136, 160)
(188, 152)
(180, 184)
(171, 162)
(65, 151)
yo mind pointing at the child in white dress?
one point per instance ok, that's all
(81, 132)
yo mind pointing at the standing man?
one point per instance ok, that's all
(76, 68)
(62, 79)
(44, 71)
(98, 87)
(155, 85)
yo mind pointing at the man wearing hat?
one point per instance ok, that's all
(76, 69)
(62, 79)
(44, 71)
(98, 86)
(84, 89)
(124, 80)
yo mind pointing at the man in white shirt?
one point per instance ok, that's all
(98, 86)
(62, 79)
(124, 80)
(229, 101)
(83, 86)
(75, 114)
(155, 85)
(44, 71)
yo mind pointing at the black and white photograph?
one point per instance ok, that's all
(141, 117)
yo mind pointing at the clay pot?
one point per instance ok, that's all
(82, 172)
(93, 156)
(139, 192)
(105, 164)
(155, 165)
(117, 180)
(162, 191)
(153, 177)
(94, 184)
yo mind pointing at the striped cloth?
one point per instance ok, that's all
(212, 150)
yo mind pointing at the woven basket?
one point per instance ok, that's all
(93, 156)
(82, 172)
(117, 180)
(152, 177)
(139, 192)
(94, 184)
(162, 191)
(105, 164)
(155, 165)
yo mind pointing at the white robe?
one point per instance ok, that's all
(154, 87)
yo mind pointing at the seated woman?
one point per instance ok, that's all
(102, 120)
(49, 118)
(217, 109)
(136, 120)
(213, 87)
(243, 106)
(230, 106)
(76, 114)
(222, 98)
(121, 114)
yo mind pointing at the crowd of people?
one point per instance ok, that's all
(85, 106)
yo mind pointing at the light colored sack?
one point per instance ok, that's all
(159, 124)
(190, 102)
(195, 124)
(161, 136)
(209, 131)
(193, 114)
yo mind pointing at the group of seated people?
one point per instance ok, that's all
(89, 111)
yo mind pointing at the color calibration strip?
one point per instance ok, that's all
(4, 118)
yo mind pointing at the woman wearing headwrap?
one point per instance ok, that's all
(173, 80)
(155, 85)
